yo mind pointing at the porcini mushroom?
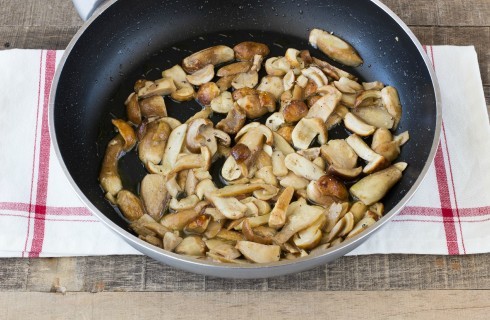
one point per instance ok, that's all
(213, 55)
(335, 48)
(201, 76)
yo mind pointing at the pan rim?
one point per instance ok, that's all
(252, 270)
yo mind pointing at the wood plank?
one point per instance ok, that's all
(13, 274)
(434, 304)
(464, 36)
(137, 273)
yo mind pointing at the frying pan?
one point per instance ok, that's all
(126, 40)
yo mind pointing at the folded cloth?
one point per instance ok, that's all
(40, 214)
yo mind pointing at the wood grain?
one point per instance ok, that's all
(138, 273)
(435, 304)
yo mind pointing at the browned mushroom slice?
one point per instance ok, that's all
(207, 92)
(223, 248)
(361, 226)
(213, 55)
(184, 203)
(358, 126)
(295, 111)
(130, 205)
(332, 71)
(273, 85)
(192, 246)
(343, 173)
(302, 217)
(267, 101)
(147, 222)
(375, 161)
(177, 221)
(375, 116)
(198, 225)
(310, 237)
(286, 132)
(251, 106)
(277, 216)
(153, 107)
(154, 194)
(281, 144)
(223, 103)
(373, 187)
(391, 102)
(346, 85)
(234, 68)
(369, 94)
(277, 66)
(279, 168)
(326, 104)
(152, 146)
(159, 87)
(126, 132)
(307, 130)
(245, 51)
(133, 109)
(327, 190)
(192, 161)
(251, 236)
(195, 137)
(289, 80)
(109, 176)
(171, 241)
(241, 189)
(339, 154)
(316, 75)
(245, 80)
(294, 181)
(172, 150)
(230, 207)
(201, 76)
(335, 48)
(375, 85)
(259, 253)
(303, 167)
(234, 121)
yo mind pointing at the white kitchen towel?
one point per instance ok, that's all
(40, 214)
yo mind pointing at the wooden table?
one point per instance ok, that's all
(371, 287)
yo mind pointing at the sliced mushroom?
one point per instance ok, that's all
(234, 121)
(277, 66)
(375, 85)
(204, 187)
(358, 210)
(369, 94)
(171, 241)
(343, 173)
(263, 207)
(177, 221)
(391, 102)
(245, 51)
(307, 130)
(224, 83)
(375, 116)
(159, 87)
(273, 85)
(335, 48)
(192, 246)
(303, 167)
(207, 92)
(230, 207)
(154, 195)
(198, 226)
(286, 132)
(259, 253)
(201, 76)
(172, 122)
(191, 161)
(173, 187)
(332, 71)
(373, 187)
(291, 56)
(245, 80)
(195, 137)
(279, 168)
(234, 68)
(130, 205)
(281, 144)
(231, 170)
(327, 190)
(172, 150)
(325, 105)
(346, 85)
(375, 161)
(126, 132)
(177, 74)
(153, 107)
(253, 134)
(295, 111)
(277, 217)
(294, 181)
(339, 154)
(222, 103)
(302, 217)
(146, 225)
(250, 105)
(213, 55)
(310, 154)
(316, 75)
(275, 121)
(152, 146)
(265, 173)
(288, 80)
(133, 109)
(223, 248)
(257, 62)
(335, 212)
(185, 203)
(251, 236)
(361, 226)
(402, 138)
(358, 126)
(311, 236)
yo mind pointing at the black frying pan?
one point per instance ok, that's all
(129, 40)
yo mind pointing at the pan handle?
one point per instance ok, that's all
(85, 8)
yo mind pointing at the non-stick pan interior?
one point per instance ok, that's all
(139, 39)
